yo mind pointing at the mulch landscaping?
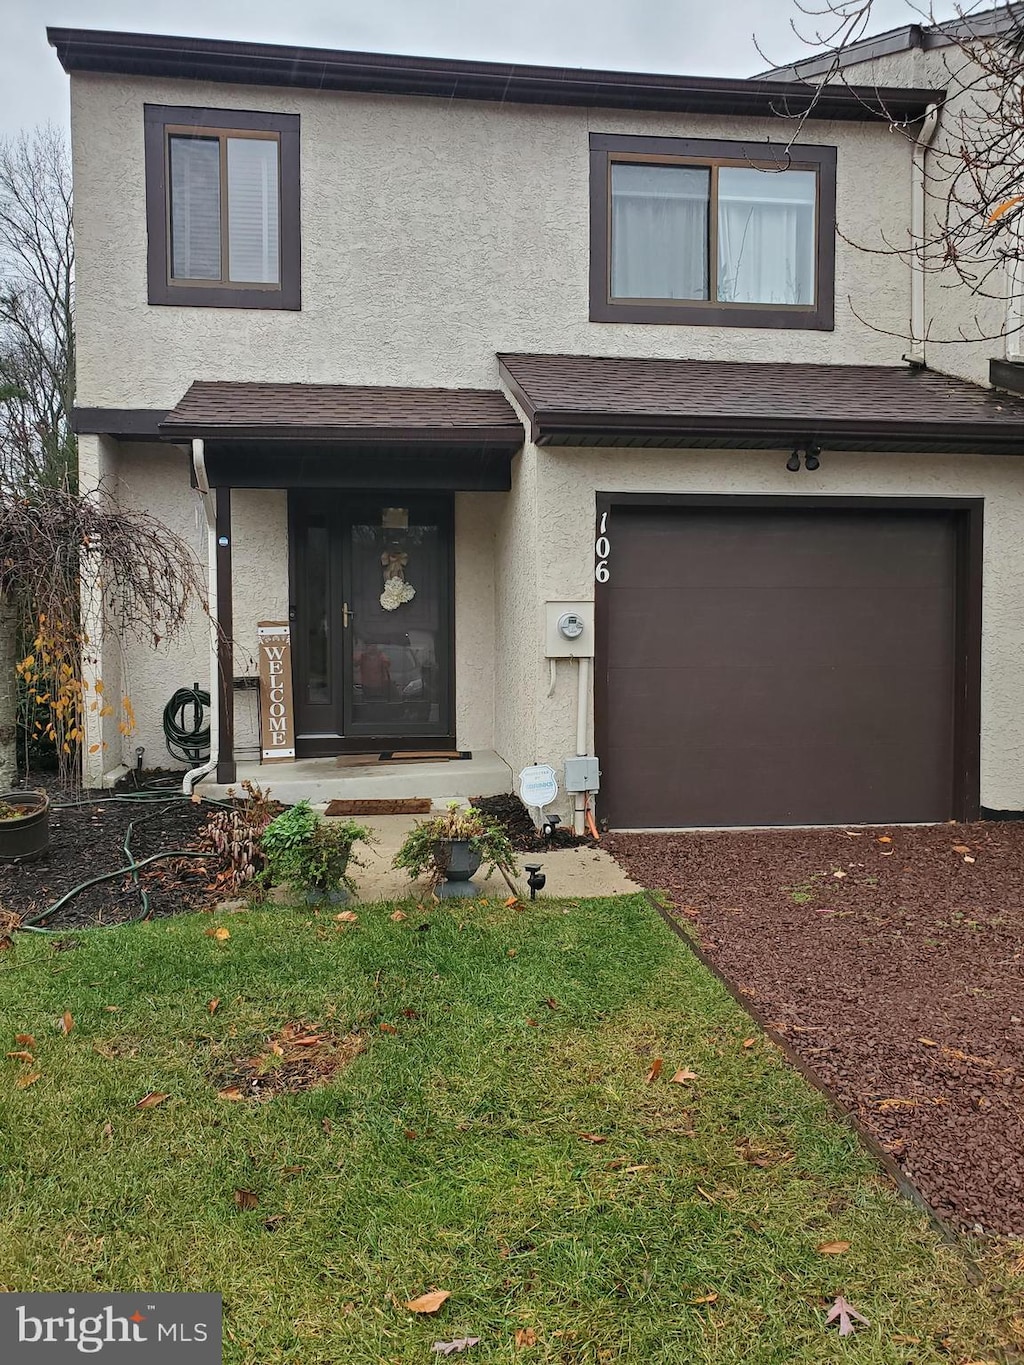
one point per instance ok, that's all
(892, 961)
(517, 822)
(86, 839)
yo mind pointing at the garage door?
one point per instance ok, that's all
(776, 667)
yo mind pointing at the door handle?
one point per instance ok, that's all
(346, 615)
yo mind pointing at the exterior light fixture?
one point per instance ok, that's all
(811, 455)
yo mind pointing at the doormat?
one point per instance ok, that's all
(412, 805)
(425, 755)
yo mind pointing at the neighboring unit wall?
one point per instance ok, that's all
(569, 479)
(434, 233)
(952, 311)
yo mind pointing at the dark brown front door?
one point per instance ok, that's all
(779, 667)
(371, 607)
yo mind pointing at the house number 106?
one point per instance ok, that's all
(602, 549)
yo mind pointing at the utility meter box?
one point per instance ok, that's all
(569, 630)
(582, 775)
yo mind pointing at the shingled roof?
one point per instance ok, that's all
(591, 400)
(344, 412)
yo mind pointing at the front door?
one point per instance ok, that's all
(371, 607)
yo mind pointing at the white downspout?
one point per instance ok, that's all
(918, 203)
(203, 484)
(579, 824)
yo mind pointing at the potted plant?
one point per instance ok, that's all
(450, 848)
(24, 826)
(311, 855)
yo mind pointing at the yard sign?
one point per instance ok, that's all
(277, 717)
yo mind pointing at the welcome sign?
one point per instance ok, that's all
(277, 717)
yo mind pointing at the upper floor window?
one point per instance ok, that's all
(222, 191)
(711, 233)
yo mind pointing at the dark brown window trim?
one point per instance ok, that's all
(606, 147)
(158, 117)
(970, 515)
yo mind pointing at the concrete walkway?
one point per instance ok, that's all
(570, 872)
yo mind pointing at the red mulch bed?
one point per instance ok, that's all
(901, 983)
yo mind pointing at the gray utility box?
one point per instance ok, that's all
(582, 775)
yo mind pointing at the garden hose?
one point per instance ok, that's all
(187, 742)
(133, 867)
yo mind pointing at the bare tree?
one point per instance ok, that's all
(37, 320)
(974, 174)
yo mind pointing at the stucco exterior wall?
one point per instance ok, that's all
(963, 330)
(433, 235)
(565, 504)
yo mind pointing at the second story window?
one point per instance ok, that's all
(709, 233)
(222, 208)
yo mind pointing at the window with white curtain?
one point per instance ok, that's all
(224, 209)
(711, 233)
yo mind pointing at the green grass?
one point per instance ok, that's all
(498, 1199)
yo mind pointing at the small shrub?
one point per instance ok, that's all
(235, 835)
(310, 854)
(426, 849)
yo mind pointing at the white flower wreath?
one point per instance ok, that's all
(396, 592)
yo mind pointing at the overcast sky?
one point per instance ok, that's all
(695, 37)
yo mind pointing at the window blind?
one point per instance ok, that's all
(253, 211)
(195, 208)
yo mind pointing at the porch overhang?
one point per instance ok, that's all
(702, 404)
(349, 436)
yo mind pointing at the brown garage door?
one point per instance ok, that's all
(776, 667)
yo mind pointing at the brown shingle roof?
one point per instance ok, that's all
(586, 400)
(344, 412)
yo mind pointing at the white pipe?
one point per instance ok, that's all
(579, 820)
(918, 204)
(194, 775)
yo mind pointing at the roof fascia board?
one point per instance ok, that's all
(378, 73)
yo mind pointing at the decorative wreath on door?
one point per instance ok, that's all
(396, 590)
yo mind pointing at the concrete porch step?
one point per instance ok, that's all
(321, 779)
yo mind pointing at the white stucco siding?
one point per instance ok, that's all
(963, 330)
(434, 234)
(569, 479)
(476, 517)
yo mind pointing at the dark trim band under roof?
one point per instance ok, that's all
(210, 59)
(594, 401)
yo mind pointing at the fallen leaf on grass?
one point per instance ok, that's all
(24, 1040)
(327, 1126)
(230, 1092)
(749, 1042)
(107, 1131)
(398, 916)
(682, 1076)
(246, 1199)
(706, 1298)
(525, 1336)
(24, 1081)
(213, 1005)
(6, 943)
(846, 1315)
(833, 1248)
(410, 1013)
(347, 917)
(655, 1070)
(219, 934)
(22, 1056)
(449, 1348)
(532, 1023)
(388, 1028)
(151, 1100)
(65, 1023)
(511, 901)
(112, 1009)
(411, 1134)
(595, 1138)
(551, 1003)
(428, 1303)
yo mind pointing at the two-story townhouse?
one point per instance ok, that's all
(542, 405)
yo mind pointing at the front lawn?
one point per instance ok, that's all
(496, 1137)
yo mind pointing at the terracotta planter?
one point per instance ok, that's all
(25, 839)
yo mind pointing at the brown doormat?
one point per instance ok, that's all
(357, 760)
(425, 755)
(412, 805)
